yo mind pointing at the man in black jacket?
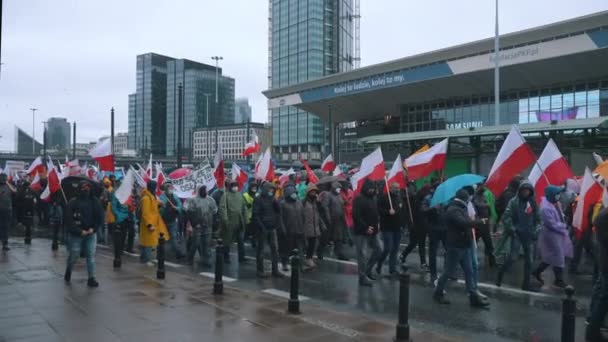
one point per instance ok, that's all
(599, 297)
(266, 216)
(83, 214)
(459, 241)
(392, 219)
(365, 217)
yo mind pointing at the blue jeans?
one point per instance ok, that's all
(75, 243)
(453, 258)
(391, 241)
(474, 261)
(101, 233)
(146, 254)
(598, 306)
(172, 227)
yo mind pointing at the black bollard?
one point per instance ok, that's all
(293, 306)
(568, 315)
(160, 254)
(403, 326)
(118, 246)
(218, 285)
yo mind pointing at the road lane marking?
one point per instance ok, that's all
(212, 276)
(282, 294)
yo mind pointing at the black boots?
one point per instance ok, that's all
(92, 282)
(68, 276)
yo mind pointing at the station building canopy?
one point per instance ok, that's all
(558, 53)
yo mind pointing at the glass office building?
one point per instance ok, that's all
(132, 135)
(198, 82)
(58, 133)
(308, 39)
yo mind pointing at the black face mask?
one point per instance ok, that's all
(202, 192)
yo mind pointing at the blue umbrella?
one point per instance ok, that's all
(447, 190)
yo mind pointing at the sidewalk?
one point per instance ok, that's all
(131, 304)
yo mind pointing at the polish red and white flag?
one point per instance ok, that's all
(160, 179)
(239, 176)
(372, 167)
(284, 178)
(514, 156)
(37, 166)
(328, 164)
(591, 192)
(397, 174)
(53, 182)
(149, 168)
(252, 147)
(102, 153)
(555, 168)
(422, 164)
(35, 185)
(312, 178)
(218, 171)
(264, 169)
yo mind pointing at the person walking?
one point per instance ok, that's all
(6, 209)
(292, 223)
(347, 197)
(505, 197)
(598, 307)
(437, 232)
(521, 223)
(26, 206)
(84, 215)
(171, 211)
(333, 206)
(200, 211)
(151, 224)
(483, 231)
(313, 224)
(365, 216)
(554, 242)
(232, 221)
(459, 241)
(266, 215)
(419, 229)
(392, 218)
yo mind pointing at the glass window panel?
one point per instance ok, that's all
(580, 98)
(568, 100)
(556, 102)
(545, 102)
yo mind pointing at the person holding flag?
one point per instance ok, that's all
(392, 217)
(365, 216)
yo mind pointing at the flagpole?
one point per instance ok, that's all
(388, 193)
(536, 161)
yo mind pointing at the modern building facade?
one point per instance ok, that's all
(58, 134)
(121, 142)
(231, 138)
(308, 39)
(553, 83)
(198, 97)
(242, 111)
(24, 141)
(132, 132)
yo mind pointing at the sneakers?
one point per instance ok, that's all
(538, 277)
(478, 302)
(370, 276)
(440, 299)
(560, 283)
(92, 283)
(364, 281)
(67, 276)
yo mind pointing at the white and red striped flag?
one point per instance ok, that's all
(422, 164)
(372, 167)
(160, 179)
(264, 169)
(591, 192)
(312, 178)
(252, 147)
(555, 167)
(102, 153)
(284, 178)
(35, 185)
(396, 174)
(149, 170)
(239, 176)
(514, 156)
(36, 166)
(53, 182)
(218, 171)
(328, 164)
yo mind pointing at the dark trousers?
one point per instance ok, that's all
(239, 237)
(270, 237)
(558, 271)
(523, 240)
(55, 227)
(6, 217)
(598, 307)
(483, 232)
(586, 243)
(130, 235)
(324, 241)
(417, 238)
(435, 238)
(118, 235)
(311, 242)
(391, 241)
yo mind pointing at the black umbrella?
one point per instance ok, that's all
(70, 186)
(325, 182)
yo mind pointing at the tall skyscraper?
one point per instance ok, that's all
(198, 81)
(153, 109)
(58, 134)
(242, 111)
(308, 39)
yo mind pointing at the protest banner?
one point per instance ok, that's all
(186, 187)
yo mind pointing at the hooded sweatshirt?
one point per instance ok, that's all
(266, 209)
(522, 213)
(365, 211)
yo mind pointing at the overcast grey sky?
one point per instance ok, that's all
(76, 58)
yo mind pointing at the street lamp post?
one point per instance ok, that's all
(33, 130)
(217, 60)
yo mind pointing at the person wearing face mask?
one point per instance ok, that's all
(333, 206)
(365, 217)
(233, 215)
(266, 216)
(554, 242)
(292, 223)
(313, 223)
(200, 211)
(170, 212)
(521, 222)
(392, 218)
(151, 224)
(459, 240)
(84, 214)
(249, 196)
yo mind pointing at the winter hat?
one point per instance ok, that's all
(551, 193)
